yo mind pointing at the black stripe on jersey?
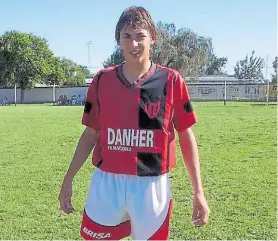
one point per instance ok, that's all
(188, 106)
(149, 164)
(97, 89)
(152, 102)
(99, 163)
(87, 107)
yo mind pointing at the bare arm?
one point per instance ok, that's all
(191, 158)
(190, 153)
(85, 145)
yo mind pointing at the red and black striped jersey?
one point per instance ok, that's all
(137, 122)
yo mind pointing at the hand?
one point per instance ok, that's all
(201, 210)
(65, 197)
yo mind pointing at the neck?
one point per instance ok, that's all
(133, 71)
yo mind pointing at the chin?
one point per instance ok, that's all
(136, 60)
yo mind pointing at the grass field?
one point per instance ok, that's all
(237, 145)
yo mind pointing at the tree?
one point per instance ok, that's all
(274, 76)
(74, 75)
(250, 68)
(85, 71)
(181, 49)
(56, 74)
(194, 52)
(115, 58)
(24, 60)
(215, 65)
(165, 51)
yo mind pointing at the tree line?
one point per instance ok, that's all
(26, 59)
(194, 56)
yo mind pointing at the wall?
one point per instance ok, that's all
(42, 94)
(198, 92)
(234, 92)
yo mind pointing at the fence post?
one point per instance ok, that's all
(225, 92)
(15, 94)
(54, 94)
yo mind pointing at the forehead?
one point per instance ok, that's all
(134, 29)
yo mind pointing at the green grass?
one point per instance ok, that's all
(237, 145)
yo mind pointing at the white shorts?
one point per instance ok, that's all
(119, 205)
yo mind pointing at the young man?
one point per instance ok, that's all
(131, 113)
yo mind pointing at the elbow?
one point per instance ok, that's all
(187, 139)
(185, 134)
(90, 135)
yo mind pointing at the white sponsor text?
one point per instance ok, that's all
(124, 139)
(96, 235)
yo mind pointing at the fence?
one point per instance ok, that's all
(198, 92)
(239, 92)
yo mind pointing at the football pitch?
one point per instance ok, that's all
(237, 147)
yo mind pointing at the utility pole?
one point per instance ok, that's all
(89, 59)
(267, 79)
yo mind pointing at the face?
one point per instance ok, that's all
(136, 43)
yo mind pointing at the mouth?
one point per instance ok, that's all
(135, 53)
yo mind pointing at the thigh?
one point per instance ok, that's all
(105, 215)
(150, 207)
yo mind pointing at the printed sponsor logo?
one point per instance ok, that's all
(96, 235)
(125, 139)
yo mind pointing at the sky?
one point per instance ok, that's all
(236, 27)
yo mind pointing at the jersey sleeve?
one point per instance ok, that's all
(91, 109)
(184, 116)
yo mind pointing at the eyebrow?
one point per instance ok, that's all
(141, 33)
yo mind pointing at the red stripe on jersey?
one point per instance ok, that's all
(168, 124)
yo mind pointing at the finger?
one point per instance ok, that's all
(196, 222)
(69, 205)
(206, 217)
(204, 214)
(195, 213)
(67, 210)
(201, 221)
(65, 205)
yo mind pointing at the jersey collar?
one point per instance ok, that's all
(139, 82)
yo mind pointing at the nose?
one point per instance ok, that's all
(134, 43)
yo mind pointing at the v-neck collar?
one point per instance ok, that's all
(137, 83)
